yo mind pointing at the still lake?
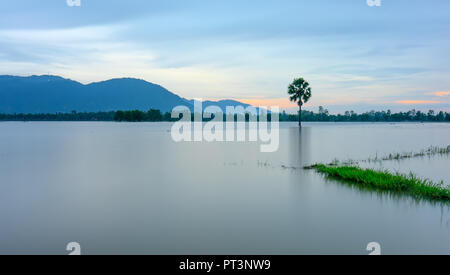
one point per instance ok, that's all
(127, 188)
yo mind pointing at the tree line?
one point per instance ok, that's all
(153, 115)
(372, 116)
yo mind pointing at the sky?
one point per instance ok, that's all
(355, 56)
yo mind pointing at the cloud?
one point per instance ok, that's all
(441, 94)
(417, 102)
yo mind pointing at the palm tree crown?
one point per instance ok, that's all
(300, 91)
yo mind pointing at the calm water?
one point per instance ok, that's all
(128, 188)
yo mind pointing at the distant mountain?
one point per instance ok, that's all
(51, 94)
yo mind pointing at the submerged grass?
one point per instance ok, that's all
(350, 173)
(429, 152)
(386, 181)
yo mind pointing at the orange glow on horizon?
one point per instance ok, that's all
(441, 94)
(280, 102)
(417, 102)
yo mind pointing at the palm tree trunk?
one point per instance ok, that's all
(300, 115)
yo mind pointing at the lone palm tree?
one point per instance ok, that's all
(300, 92)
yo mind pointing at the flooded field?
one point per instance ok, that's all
(129, 188)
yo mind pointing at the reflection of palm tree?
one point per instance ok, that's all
(300, 92)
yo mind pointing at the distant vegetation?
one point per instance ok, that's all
(151, 115)
(73, 116)
(132, 116)
(372, 116)
(157, 115)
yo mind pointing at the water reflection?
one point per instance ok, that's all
(445, 215)
(300, 146)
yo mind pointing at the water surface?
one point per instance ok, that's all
(128, 188)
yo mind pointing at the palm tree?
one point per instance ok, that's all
(300, 92)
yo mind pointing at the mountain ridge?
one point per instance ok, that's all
(52, 94)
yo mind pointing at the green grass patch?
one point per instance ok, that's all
(386, 181)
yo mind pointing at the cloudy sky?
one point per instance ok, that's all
(355, 57)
